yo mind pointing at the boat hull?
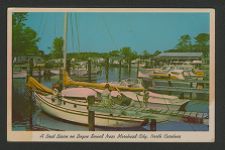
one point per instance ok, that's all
(66, 111)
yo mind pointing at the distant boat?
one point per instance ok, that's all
(172, 72)
(19, 74)
(23, 74)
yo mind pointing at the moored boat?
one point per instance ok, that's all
(74, 107)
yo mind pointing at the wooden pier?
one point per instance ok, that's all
(117, 110)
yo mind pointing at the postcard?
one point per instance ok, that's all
(111, 75)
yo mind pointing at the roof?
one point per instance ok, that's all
(180, 54)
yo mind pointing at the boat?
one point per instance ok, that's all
(22, 74)
(19, 74)
(130, 82)
(171, 72)
(72, 104)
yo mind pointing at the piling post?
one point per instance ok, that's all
(91, 114)
(31, 66)
(120, 65)
(107, 69)
(129, 68)
(89, 70)
(153, 125)
(137, 68)
(31, 111)
(169, 83)
(30, 108)
(30, 73)
(190, 88)
(39, 73)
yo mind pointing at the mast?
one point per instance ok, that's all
(65, 39)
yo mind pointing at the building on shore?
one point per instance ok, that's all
(178, 58)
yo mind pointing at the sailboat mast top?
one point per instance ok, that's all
(65, 39)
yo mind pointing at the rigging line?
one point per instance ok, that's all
(78, 33)
(110, 35)
(72, 32)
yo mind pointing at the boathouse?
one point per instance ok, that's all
(176, 58)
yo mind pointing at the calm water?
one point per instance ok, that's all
(41, 121)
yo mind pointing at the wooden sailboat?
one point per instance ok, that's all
(74, 108)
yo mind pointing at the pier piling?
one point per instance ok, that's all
(91, 114)
(153, 125)
(120, 65)
(89, 70)
(137, 68)
(129, 68)
(31, 65)
(107, 70)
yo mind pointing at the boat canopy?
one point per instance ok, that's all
(78, 92)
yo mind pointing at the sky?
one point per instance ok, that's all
(106, 31)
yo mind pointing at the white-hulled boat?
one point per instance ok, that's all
(75, 110)
(19, 74)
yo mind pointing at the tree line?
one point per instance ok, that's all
(185, 44)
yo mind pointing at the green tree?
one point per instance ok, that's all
(24, 39)
(184, 43)
(156, 53)
(114, 53)
(128, 54)
(202, 43)
(57, 48)
(146, 54)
